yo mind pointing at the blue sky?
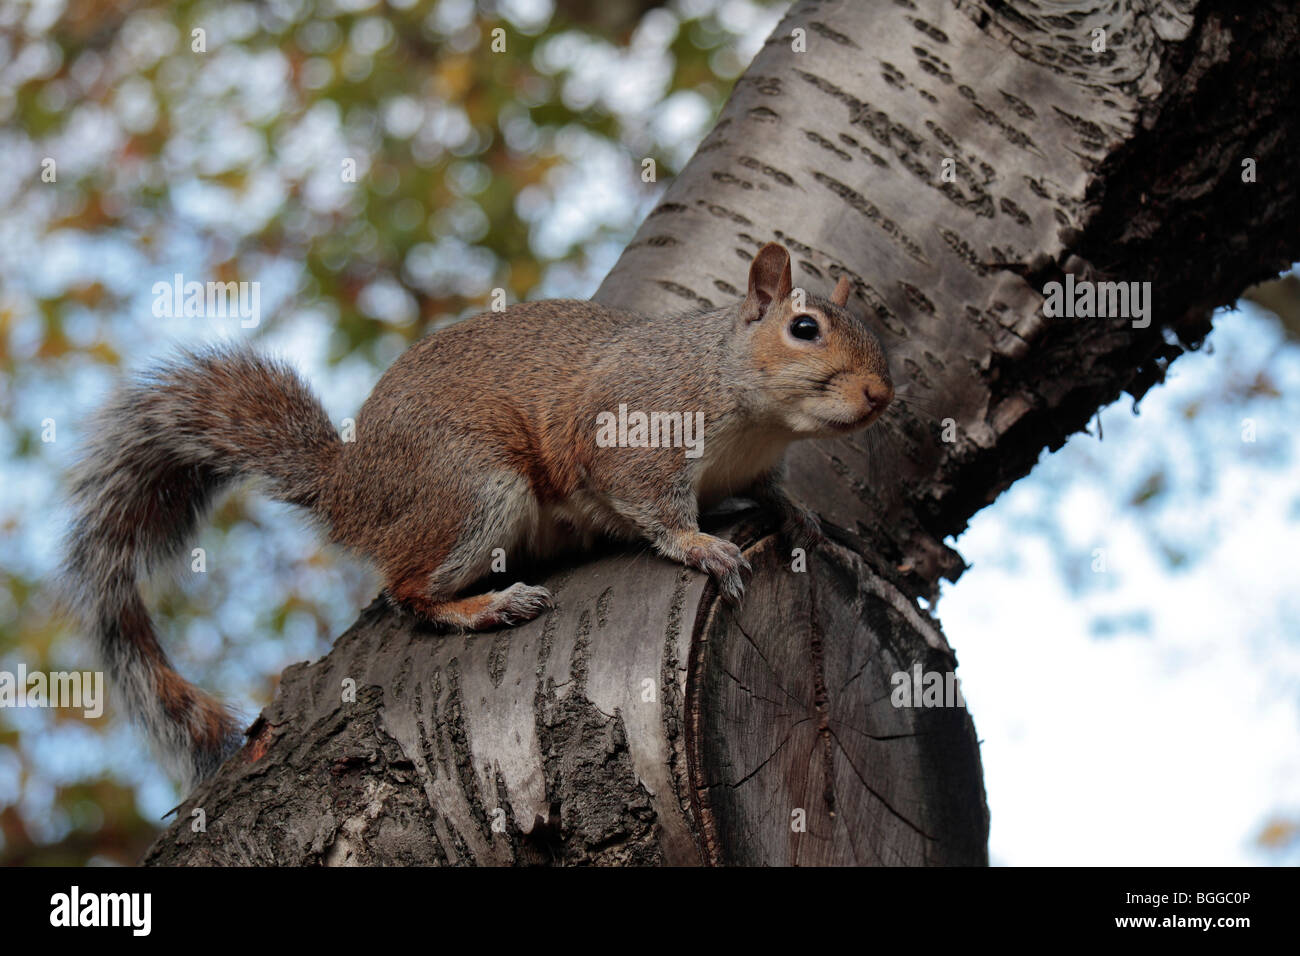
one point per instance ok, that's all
(1149, 714)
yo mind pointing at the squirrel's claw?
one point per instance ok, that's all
(721, 560)
(732, 587)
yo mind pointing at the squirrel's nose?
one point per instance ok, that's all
(879, 392)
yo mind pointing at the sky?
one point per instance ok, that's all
(1148, 714)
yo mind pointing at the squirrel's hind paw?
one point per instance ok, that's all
(522, 602)
(516, 604)
(483, 612)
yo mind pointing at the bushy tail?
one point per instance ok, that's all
(157, 455)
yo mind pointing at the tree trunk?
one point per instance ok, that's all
(642, 721)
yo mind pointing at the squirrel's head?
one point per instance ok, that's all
(822, 370)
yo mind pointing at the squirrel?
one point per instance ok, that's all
(481, 436)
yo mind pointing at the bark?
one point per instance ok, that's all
(643, 722)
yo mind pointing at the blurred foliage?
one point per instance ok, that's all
(1281, 297)
(379, 169)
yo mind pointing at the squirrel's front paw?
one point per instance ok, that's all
(718, 558)
(802, 528)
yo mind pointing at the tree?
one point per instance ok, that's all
(953, 161)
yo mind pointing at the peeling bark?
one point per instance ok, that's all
(643, 722)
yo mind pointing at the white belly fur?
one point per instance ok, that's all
(733, 461)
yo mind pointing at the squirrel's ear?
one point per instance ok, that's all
(769, 281)
(841, 294)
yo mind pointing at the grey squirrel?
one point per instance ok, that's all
(480, 436)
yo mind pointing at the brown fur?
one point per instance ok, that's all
(482, 436)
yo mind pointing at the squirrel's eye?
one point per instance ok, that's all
(804, 327)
